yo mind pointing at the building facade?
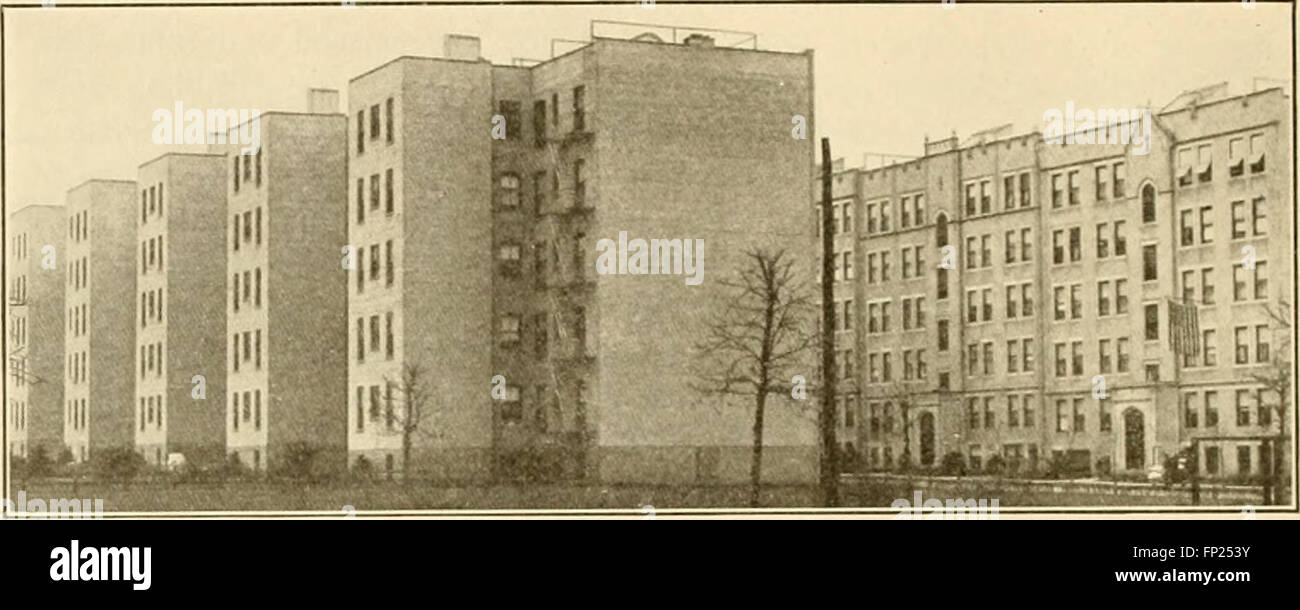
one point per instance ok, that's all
(180, 375)
(479, 264)
(286, 295)
(1030, 301)
(34, 407)
(99, 389)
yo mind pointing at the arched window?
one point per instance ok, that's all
(1148, 203)
(941, 230)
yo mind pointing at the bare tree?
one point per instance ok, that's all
(758, 341)
(1276, 378)
(412, 393)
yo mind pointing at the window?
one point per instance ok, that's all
(1076, 358)
(1121, 297)
(1013, 356)
(539, 122)
(1076, 248)
(1238, 219)
(1204, 166)
(1207, 224)
(374, 191)
(1121, 355)
(388, 119)
(1242, 339)
(1258, 212)
(1103, 298)
(1121, 246)
(1149, 263)
(941, 283)
(1236, 160)
(1151, 315)
(1210, 355)
(1103, 356)
(388, 191)
(1148, 203)
(1062, 416)
(374, 121)
(943, 335)
(1261, 343)
(1104, 415)
(1243, 408)
(1102, 182)
(361, 201)
(1207, 286)
(1058, 249)
(1073, 178)
(1211, 402)
(361, 140)
(1118, 174)
(1057, 193)
(579, 108)
(1187, 233)
(1024, 190)
(1190, 414)
(388, 262)
(1256, 153)
(1011, 306)
(508, 195)
(1060, 359)
(580, 189)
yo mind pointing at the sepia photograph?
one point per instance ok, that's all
(893, 260)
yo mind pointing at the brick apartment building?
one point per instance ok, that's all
(99, 387)
(180, 308)
(479, 261)
(994, 281)
(286, 297)
(34, 388)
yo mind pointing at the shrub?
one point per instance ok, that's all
(995, 465)
(362, 469)
(119, 464)
(953, 464)
(299, 456)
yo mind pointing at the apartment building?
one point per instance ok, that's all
(1025, 308)
(99, 386)
(844, 204)
(34, 341)
(285, 291)
(477, 266)
(180, 376)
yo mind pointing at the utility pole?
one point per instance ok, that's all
(829, 462)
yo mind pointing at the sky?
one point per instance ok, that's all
(81, 84)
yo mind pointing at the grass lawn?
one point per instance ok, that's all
(268, 495)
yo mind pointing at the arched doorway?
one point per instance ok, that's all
(1134, 439)
(927, 439)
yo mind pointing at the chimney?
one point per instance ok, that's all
(322, 101)
(699, 41)
(460, 46)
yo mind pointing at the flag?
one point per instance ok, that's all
(1184, 328)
